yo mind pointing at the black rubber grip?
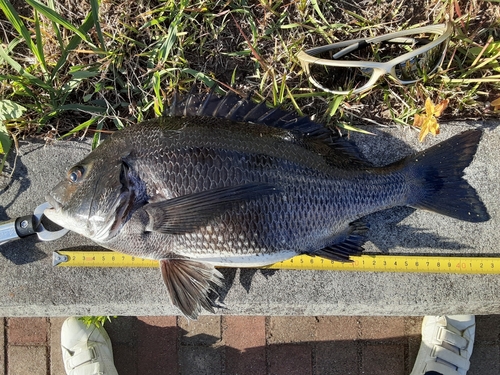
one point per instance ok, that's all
(24, 226)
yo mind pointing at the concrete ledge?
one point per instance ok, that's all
(30, 286)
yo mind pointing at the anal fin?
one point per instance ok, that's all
(189, 284)
(346, 245)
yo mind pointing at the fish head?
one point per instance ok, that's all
(95, 198)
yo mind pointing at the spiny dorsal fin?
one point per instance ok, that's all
(343, 153)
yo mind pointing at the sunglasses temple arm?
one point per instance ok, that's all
(353, 47)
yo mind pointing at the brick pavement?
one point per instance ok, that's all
(244, 345)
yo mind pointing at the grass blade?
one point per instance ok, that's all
(316, 8)
(335, 104)
(39, 44)
(54, 17)
(346, 126)
(82, 126)
(199, 75)
(51, 4)
(88, 23)
(83, 108)
(18, 24)
(96, 139)
(158, 100)
(19, 69)
(95, 16)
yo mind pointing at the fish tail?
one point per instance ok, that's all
(438, 173)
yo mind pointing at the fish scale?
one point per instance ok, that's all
(198, 190)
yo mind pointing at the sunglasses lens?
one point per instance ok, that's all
(420, 65)
(340, 78)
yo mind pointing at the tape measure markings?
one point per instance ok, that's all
(366, 262)
(69, 258)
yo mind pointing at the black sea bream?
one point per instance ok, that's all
(225, 182)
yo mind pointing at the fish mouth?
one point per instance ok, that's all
(56, 206)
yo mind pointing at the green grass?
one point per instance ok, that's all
(69, 69)
(98, 321)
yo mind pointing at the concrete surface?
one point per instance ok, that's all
(32, 287)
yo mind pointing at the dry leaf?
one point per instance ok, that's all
(496, 104)
(428, 121)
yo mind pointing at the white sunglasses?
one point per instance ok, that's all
(349, 76)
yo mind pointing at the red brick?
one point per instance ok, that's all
(245, 340)
(290, 359)
(125, 358)
(413, 329)
(159, 321)
(2, 346)
(487, 329)
(336, 328)
(337, 358)
(123, 334)
(56, 361)
(291, 329)
(199, 360)
(386, 328)
(413, 348)
(413, 326)
(27, 331)
(23, 360)
(157, 345)
(205, 331)
(485, 360)
(122, 330)
(243, 332)
(383, 359)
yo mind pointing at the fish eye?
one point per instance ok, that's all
(75, 174)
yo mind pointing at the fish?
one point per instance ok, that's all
(222, 181)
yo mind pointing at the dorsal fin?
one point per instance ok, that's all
(343, 153)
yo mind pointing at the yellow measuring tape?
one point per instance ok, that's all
(373, 263)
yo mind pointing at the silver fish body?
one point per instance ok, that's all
(197, 190)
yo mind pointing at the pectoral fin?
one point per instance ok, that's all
(189, 283)
(189, 212)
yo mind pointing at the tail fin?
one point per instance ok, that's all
(439, 170)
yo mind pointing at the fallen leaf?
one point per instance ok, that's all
(428, 121)
(496, 104)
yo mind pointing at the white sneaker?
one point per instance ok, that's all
(447, 343)
(86, 350)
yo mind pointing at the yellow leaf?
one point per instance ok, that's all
(428, 122)
(441, 107)
(429, 107)
(418, 120)
(496, 103)
(423, 133)
(433, 126)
